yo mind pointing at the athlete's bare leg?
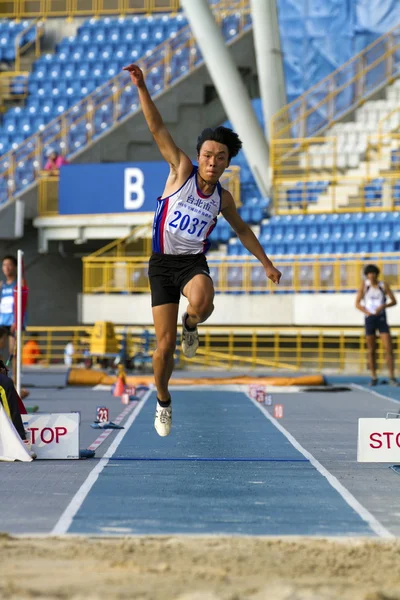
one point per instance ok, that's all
(11, 344)
(200, 293)
(3, 342)
(387, 344)
(371, 350)
(165, 323)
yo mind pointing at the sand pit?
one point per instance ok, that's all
(188, 568)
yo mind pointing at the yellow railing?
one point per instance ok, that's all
(344, 89)
(345, 164)
(390, 122)
(7, 81)
(38, 26)
(291, 348)
(18, 9)
(27, 159)
(48, 206)
(48, 195)
(107, 275)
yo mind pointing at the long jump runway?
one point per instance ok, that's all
(228, 467)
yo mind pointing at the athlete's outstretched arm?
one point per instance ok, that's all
(246, 235)
(177, 159)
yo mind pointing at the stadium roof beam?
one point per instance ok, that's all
(230, 88)
(269, 58)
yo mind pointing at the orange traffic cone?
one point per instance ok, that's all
(119, 388)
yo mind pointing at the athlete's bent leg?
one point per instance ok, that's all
(165, 322)
(200, 293)
(387, 344)
(371, 350)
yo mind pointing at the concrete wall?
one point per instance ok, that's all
(254, 309)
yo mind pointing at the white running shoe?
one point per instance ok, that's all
(163, 420)
(190, 339)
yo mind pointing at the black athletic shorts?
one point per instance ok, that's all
(8, 327)
(376, 322)
(169, 273)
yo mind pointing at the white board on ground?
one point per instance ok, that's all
(54, 436)
(378, 440)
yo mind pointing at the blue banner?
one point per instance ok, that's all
(111, 188)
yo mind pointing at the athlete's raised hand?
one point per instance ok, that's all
(273, 274)
(136, 74)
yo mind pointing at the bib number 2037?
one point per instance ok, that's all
(192, 225)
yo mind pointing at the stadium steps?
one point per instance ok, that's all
(184, 111)
(351, 140)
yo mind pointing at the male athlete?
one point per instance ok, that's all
(9, 268)
(185, 216)
(373, 294)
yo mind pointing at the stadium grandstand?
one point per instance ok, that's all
(330, 196)
(199, 299)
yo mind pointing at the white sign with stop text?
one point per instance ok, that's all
(378, 440)
(54, 435)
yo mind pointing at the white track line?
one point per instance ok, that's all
(107, 432)
(363, 389)
(347, 496)
(64, 522)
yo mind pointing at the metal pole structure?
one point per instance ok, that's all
(19, 321)
(269, 58)
(230, 88)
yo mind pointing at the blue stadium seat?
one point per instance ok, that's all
(364, 247)
(47, 107)
(70, 71)
(4, 144)
(87, 87)
(230, 26)
(70, 89)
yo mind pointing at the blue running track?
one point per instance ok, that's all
(275, 491)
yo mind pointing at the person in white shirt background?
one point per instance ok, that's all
(373, 298)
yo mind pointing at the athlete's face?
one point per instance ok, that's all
(9, 269)
(213, 160)
(372, 277)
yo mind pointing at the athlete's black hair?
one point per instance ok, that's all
(371, 269)
(12, 258)
(222, 135)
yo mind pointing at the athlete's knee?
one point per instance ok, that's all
(166, 346)
(203, 309)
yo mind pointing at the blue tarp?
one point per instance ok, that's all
(318, 36)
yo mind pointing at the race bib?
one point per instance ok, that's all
(189, 226)
(7, 305)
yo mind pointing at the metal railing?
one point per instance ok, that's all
(341, 91)
(333, 349)
(14, 84)
(347, 171)
(48, 201)
(48, 195)
(390, 123)
(9, 89)
(38, 26)
(308, 273)
(25, 163)
(17, 9)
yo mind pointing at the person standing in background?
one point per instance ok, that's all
(373, 298)
(54, 162)
(9, 268)
(31, 351)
